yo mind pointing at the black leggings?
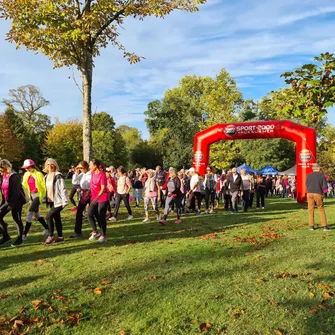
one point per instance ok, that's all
(260, 199)
(210, 197)
(191, 200)
(79, 216)
(97, 211)
(16, 215)
(125, 198)
(54, 219)
(73, 193)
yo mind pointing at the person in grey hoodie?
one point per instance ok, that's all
(57, 198)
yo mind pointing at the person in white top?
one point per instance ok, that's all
(76, 177)
(194, 192)
(246, 190)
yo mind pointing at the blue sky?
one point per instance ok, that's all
(255, 40)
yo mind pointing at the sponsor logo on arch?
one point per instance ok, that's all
(198, 156)
(305, 155)
(232, 130)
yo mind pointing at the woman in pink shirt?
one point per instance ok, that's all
(99, 202)
(12, 200)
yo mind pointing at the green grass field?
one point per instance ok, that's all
(261, 272)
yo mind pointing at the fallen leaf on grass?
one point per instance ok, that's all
(92, 252)
(36, 304)
(205, 326)
(311, 294)
(41, 260)
(269, 235)
(209, 236)
(313, 311)
(328, 294)
(105, 282)
(3, 295)
(154, 277)
(18, 324)
(278, 332)
(122, 332)
(97, 290)
(323, 307)
(273, 303)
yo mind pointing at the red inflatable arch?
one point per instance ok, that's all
(304, 137)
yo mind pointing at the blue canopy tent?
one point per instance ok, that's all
(247, 168)
(268, 170)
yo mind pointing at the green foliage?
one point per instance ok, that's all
(10, 146)
(314, 88)
(144, 155)
(108, 144)
(326, 151)
(258, 153)
(131, 136)
(64, 143)
(197, 103)
(26, 121)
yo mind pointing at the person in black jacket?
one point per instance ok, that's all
(13, 200)
(235, 186)
(260, 192)
(174, 194)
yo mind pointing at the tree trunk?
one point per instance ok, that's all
(87, 71)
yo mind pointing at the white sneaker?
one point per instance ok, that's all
(94, 236)
(46, 232)
(146, 220)
(24, 237)
(159, 217)
(130, 217)
(102, 239)
(112, 219)
(211, 211)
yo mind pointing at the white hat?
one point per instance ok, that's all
(28, 163)
(192, 169)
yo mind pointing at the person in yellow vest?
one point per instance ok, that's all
(33, 183)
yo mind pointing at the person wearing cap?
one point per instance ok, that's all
(13, 200)
(33, 183)
(160, 177)
(316, 183)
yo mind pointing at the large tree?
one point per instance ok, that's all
(10, 146)
(314, 87)
(72, 33)
(26, 121)
(197, 103)
(64, 143)
(108, 144)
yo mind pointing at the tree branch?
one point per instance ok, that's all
(75, 81)
(86, 6)
(106, 25)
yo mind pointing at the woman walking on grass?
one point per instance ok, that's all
(260, 192)
(57, 198)
(99, 202)
(84, 197)
(13, 200)
(210, 190)
(123, 189)
(152, 194)
(33, 183)
(173, 195)
(76, 177)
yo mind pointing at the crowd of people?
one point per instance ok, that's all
(97, 192)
